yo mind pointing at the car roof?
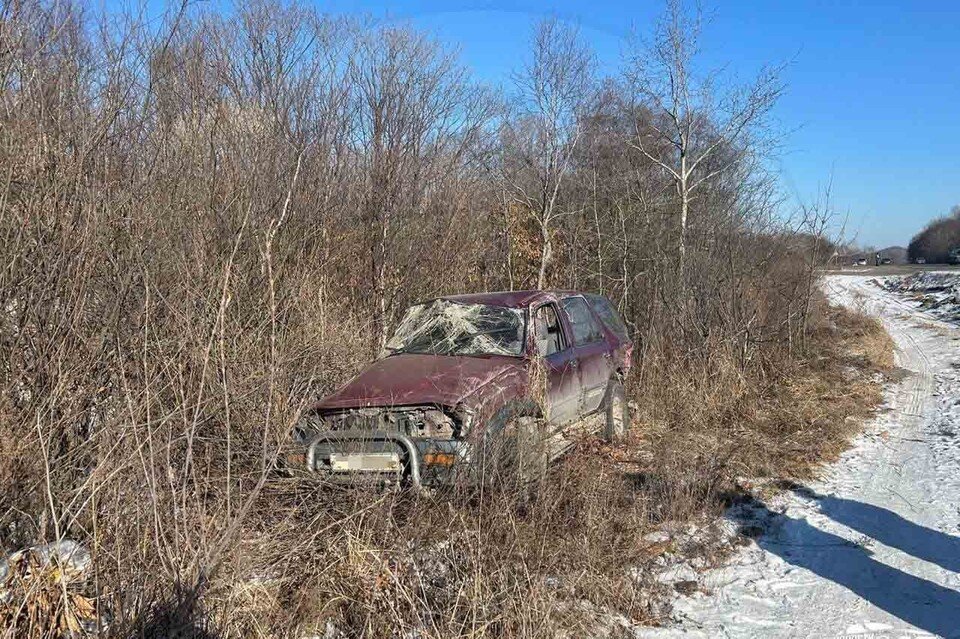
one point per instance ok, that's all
(511, 299)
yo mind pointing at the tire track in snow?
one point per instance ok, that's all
(871, 549)
(907, 403)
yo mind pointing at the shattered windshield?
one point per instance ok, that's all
(442, 327)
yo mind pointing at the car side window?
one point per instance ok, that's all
(585, 328)
(548, 331)
(608, 315)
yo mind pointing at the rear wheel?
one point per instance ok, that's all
(617, 412)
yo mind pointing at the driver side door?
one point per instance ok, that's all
(560, 365)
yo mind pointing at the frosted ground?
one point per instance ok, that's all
(872, 549)
(935, 293)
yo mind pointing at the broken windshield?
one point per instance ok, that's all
(442, 327)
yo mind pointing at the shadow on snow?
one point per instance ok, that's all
(919, 602)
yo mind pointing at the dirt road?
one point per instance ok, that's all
(873, 549)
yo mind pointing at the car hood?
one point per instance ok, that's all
(406, 379)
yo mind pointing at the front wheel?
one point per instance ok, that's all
(617, 413)
(518, 453)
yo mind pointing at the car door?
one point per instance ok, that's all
(591, 351)
(618, 336)
(560, 365)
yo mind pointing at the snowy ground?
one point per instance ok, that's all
(873, 549)
(937, 293)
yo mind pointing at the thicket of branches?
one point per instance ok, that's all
(208, 220)
(937, 239)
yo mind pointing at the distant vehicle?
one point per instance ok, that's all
(920, 260)
(954, 257)
(861, 262)
(886, 260)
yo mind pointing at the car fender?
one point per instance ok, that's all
(491, 398)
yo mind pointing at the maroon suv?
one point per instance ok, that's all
(518, 373)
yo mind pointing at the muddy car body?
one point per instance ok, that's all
(460, 373)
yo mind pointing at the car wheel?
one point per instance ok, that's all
(517, 454)
(618, 418)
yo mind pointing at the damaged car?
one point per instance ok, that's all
(471, 386)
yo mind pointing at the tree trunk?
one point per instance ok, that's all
(684, 209)
(682, 248)
(546, 254)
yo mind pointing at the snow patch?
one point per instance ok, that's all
(873, 548)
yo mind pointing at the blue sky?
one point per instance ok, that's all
(873, 99)
(873, 88)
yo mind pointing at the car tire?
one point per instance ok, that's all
(617, 412)
(517, 453)
(531, 450)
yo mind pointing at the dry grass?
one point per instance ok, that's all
(208, 221)
(42, 597)
(234, 551)
(702, 439)
(827, 397)
(561, 559)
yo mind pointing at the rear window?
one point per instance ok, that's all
(585, 328)
(608, 315)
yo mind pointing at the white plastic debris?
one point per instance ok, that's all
(70, 555)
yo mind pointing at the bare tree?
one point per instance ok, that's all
(936, 241)
(552, 92)
(419, 123)
(209, 220)
(694, 115)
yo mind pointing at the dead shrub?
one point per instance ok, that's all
(209, 220)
